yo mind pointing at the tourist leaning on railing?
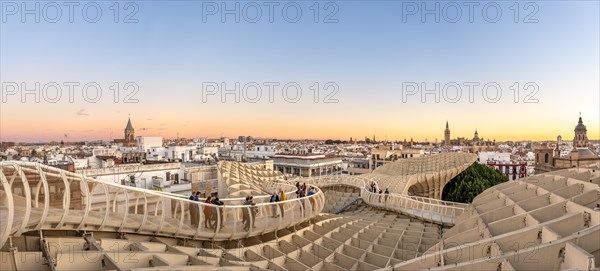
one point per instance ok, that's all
(385, 198)
(311, 191)
(247, 213)
(208, 213)
(301, 194)
(215, 216)
(282, 197)
(298, 189)
(274, 198)
(194, 209)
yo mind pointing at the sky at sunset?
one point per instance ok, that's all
(167, 65)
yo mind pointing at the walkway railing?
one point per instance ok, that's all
(35, 196)
(428, 209)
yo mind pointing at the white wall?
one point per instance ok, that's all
(208, 150)
(105, 152)
(142, 173)
(146, 142)
(156, 154)
(494, 156)
(80, 163)
(261, 151)
(184, 153)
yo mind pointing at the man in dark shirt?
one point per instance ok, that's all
(248, 212)
(218, 202)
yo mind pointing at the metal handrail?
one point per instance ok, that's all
(77, 202)
(434, 210)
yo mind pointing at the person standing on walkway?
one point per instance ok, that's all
(274, 199)
(194, 209)
(253, 211)
(219, 211)
(248, 213)
(282, 198)
(245, 213)
(297, 189)
(311, 191)
(208, 213)
(387, 193)
(302, 194)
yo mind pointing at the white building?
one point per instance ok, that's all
(260, 152)
(105, 152)
(156, 154)
(238, 152)
(146, 142)
(485, 157)
(308, 165)
(80, 163)
(167, 177)
(206, 153)
(181, 153)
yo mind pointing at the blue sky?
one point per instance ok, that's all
(368, 53)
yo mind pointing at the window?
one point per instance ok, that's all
(546, 156)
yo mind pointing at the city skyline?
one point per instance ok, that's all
(462, 132)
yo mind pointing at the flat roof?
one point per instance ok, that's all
(311, 156)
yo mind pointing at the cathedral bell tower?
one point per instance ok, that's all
(580, 140)
(447, 135)
(129, 135)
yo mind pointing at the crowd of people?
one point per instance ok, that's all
(373, 189)
(303, 191)
(212, 214)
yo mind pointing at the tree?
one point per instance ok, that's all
(471, 182)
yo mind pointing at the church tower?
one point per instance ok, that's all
(581, 139)
(129, 135)
(447, 135)
(476, 136)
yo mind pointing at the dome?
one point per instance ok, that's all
(580, 126)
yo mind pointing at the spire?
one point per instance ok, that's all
(580, 121)
(129, 126)
(447, 127)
